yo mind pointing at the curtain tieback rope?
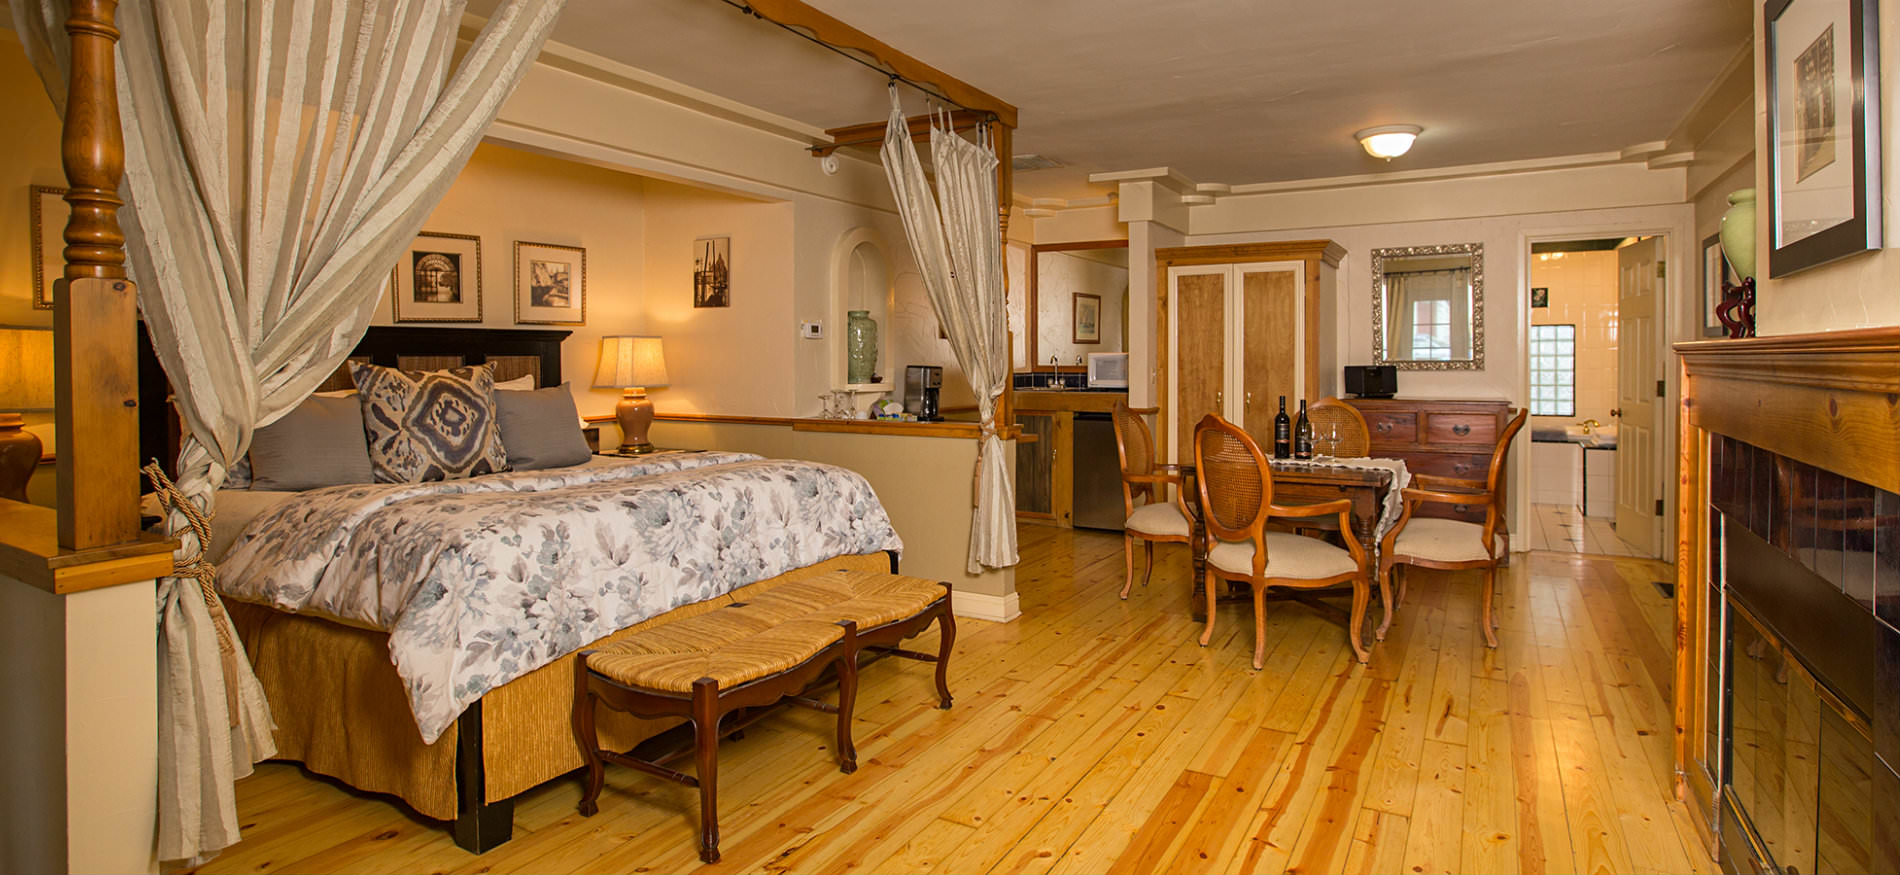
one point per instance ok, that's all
(197, 567)
(985, 431)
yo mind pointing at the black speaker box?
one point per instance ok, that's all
(1372, 381)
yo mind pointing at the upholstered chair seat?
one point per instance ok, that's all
(1158, 519)
(1236, 491)
(1288, 555)
(1452, 545)
(1153, 499)
(1446, 541)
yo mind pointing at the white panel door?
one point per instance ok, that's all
(1639, 291)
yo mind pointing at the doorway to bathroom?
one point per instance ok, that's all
(1594, 363)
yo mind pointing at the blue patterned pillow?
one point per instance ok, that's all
(430, 425)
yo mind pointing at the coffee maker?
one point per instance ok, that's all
(921, 385)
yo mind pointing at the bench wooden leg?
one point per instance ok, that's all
(706, 759)
(946, 638)
(584, 704)
(847, 697)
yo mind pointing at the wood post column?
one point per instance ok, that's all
(94, 305)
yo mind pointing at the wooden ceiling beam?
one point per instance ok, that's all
(794, 13)
(871, 134)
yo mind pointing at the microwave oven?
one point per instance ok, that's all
(1108, 370)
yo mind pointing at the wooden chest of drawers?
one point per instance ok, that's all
(1446, 438)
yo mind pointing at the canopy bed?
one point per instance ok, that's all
(258, 276)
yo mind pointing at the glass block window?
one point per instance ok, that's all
(1553, 370)
(1431, 331)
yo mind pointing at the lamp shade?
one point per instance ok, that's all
(1388, 141)
(26, 368)
(630, 361)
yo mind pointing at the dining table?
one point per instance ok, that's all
(1302, 482)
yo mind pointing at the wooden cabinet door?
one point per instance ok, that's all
(1197, 341)
(1270, 344)
(1035, 466)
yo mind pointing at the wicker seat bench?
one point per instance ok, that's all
(749, 655)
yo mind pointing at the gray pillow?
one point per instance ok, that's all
(540, 429)
(320, 443)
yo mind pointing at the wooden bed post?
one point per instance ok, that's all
(94, 306)
(1005, 190)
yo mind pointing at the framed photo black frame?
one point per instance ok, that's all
(1823, 87)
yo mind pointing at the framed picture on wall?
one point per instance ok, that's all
(712, 272)
(1823, 131)
(48, 212)
(1088, 318)
(1540, 297)
(550, 284)
(438, 280)
(1715, 273)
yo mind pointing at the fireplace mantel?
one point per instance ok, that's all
(1830, 401)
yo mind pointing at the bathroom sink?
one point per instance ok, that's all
(1602, 435)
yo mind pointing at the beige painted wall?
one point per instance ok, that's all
(923, 482)
(29, 155)
(506, 195)
(1064, 275)
(1859, 291)
(721, 359)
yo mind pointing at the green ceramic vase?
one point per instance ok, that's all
(1738, 232)
(860, 341)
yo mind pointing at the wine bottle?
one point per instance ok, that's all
(1282, 433)
(1303, 435)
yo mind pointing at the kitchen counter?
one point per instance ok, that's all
(1069, 400)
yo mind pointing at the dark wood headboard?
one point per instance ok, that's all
(514, 353)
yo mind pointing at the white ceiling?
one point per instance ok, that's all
(1222, 90)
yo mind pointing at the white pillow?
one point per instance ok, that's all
(518, 384)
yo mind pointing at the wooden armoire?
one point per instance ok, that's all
(1236, 327)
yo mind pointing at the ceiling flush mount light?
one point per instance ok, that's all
(1388, 141)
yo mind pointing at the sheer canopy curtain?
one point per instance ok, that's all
(959, 250)
(279, 158)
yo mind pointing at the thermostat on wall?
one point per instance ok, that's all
(811, 330)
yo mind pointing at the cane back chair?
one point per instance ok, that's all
(1158, 518)
(1236, 493)
(1452, 544)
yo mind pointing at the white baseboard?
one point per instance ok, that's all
(983, 606)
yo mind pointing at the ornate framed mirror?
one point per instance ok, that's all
(1428, 307)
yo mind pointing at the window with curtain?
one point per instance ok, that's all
(1431, 331)
(1553, 370)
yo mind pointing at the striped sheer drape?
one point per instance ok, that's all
(959, 250)
(279, 158)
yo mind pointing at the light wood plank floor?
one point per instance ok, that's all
(1094, 735)
(1564, 529)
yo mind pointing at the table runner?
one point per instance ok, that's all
(1394, 495)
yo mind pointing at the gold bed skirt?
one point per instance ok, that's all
(341, 711)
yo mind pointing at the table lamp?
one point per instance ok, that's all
(634, 364)
(26, 383)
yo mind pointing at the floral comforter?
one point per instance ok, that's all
(483, 580)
